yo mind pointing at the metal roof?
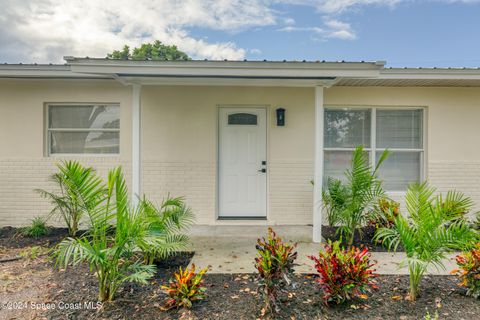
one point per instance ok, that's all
(245, 72)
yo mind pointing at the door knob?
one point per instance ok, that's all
(262, 170)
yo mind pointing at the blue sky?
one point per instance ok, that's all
(402, 32)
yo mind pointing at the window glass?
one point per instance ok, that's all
(400, 170)
(83, 129)
(346, 128)
(396, 129)
(399, 129)
(242, 119)
(84, 117)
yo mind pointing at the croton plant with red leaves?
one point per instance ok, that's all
(469, 272)
(274, 262)
(184, 288)
(344, 273)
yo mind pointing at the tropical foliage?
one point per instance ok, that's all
(80, 190)
(344, 273)
(384, 213)
(349, 203)
(154, 51)
(36, 229)
(118, 231)
(185, 288)
(274, 262)
(469, 271)
(429, 234)
(168, 221)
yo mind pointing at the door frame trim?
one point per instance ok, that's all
(266, 107)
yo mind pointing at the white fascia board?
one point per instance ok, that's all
(287, 70)
(42, 71)
(175, 81)
(430, 74)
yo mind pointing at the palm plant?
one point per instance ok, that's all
(429, 234)
(167, 221)
(348, 204)
(118, 231)
(80, 190)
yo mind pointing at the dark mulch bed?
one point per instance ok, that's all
(12, 238)
(235, 297)
(330, 233)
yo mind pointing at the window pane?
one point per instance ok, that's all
(400, 129)
(335, 163)
(84, 142)
(347, 128)
(399, 170)
(242, 119)
(84, 117)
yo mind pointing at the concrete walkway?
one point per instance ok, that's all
(223, 254)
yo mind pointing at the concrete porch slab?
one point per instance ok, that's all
(235, 254)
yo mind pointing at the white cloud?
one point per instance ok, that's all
(332, 28)
(255, 51)
(44, 30)
(339, 30)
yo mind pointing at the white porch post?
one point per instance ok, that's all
(136, 171)
(318, 166)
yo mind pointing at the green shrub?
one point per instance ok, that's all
(118, 231)
(343, 273)
(38, 228)
(274, 262)
(80, 190)
(469, 273)
(168, 221)
(349, 204)
(185, 288)
(384, 213)
(429, 233)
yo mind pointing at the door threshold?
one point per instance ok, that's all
(242, 218)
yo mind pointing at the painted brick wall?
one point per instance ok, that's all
(193, 180)
(458, 175)
(19, 203)
(290, 192)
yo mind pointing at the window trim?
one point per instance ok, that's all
(373, 137)
(47, 130)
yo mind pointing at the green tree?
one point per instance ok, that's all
(155, 51)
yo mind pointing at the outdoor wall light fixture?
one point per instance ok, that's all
(280, 117)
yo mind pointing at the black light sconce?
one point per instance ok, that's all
(280, 117)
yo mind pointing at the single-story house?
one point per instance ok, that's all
(240, 140)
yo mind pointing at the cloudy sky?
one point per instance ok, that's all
(403, 32)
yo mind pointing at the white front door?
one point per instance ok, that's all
(242, 162)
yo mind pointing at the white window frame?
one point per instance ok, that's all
(47, 129)
(373, 137)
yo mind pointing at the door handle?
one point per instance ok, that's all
(262, 170)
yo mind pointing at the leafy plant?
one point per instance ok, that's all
(168, 222)
(469, 263)
(37, 228)
(185, 288)
(428, 235)
(384, 213)
(117, 232)
(456, 205)
(428, 316)
(154, 51)
(349, 204)
(80, 190)
(32, 253)
(274, 262)
(344, 273)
